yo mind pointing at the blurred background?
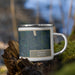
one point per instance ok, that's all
(61, 13)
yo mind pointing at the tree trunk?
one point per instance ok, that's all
(20, 66)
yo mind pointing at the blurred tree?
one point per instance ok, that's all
(13, 19)
(37, 14)
(51, 19)
(62, 14)
(20, 3)
(72, 36)
(69, 17)
(4, 3)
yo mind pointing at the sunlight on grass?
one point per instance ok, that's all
(3, 69)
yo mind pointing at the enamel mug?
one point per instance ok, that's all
(36, 42)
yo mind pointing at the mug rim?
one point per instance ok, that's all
(36, 25)
(37, 59)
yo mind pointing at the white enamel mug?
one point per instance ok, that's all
(36, 42)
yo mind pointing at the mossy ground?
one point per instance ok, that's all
(67, 58)
(68, 69)
(69, 54)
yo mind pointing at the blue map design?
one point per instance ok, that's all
(27, 41)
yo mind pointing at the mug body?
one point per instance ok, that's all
(36, 41)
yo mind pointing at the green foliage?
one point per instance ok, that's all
(68, 69)
(69, 54)
(72, 36)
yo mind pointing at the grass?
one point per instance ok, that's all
(69, 54)
(68, 69)
(3, 70)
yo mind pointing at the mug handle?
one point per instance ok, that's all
(59, 34)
